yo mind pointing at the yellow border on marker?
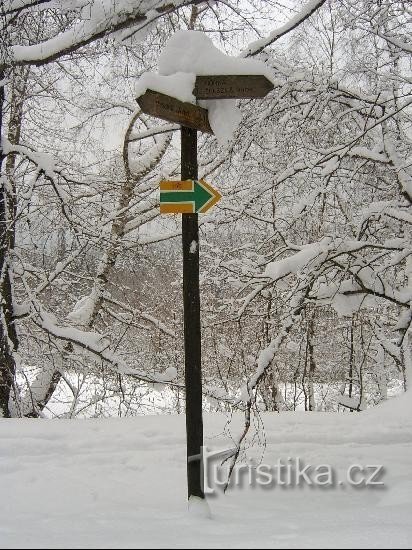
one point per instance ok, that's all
(177, 208)
(216, 196)
(168, 185)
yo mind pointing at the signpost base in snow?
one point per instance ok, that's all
(191, 305)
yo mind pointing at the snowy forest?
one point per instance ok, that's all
(115, 431)
(306, 268)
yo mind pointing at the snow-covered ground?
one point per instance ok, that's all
(121, 483)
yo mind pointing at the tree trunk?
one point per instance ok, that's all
(351, 358)
(8, 335)
(312, 364)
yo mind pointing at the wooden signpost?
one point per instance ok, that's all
(188, 197)
(206, 87)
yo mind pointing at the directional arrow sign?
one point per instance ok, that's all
(187, 197)
(232, 86)
(171, 109)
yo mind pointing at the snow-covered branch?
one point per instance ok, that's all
(97, 20)
(259, 45)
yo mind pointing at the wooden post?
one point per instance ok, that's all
(191, 119)
(192, 338)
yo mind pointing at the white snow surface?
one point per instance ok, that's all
(194, 52)
(83, 310)
(121, 483)
(351, 402)
(224, 118)
(193, 247)
(295, 263)
(179, 85)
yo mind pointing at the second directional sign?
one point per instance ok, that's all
(187, 197)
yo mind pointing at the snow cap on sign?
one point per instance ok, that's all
(194, 52)
(179, 85)
(188, 54)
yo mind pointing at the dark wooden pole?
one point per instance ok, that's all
(192, 337)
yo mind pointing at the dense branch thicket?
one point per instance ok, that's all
(306, 262)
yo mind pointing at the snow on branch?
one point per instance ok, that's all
(13, 7)
(405, 179)
(368, 154)
(97, 20)
(259, 45)
(45, 165)
(154, 131)
(143, 315)
(248, 392)
(308, 258)
(95, 344)
(400, 44)
(141, 165)
(390, 347)
(44, 161)
(362, 284)
(267, 355)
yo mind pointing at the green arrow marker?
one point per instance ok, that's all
(184, 197)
